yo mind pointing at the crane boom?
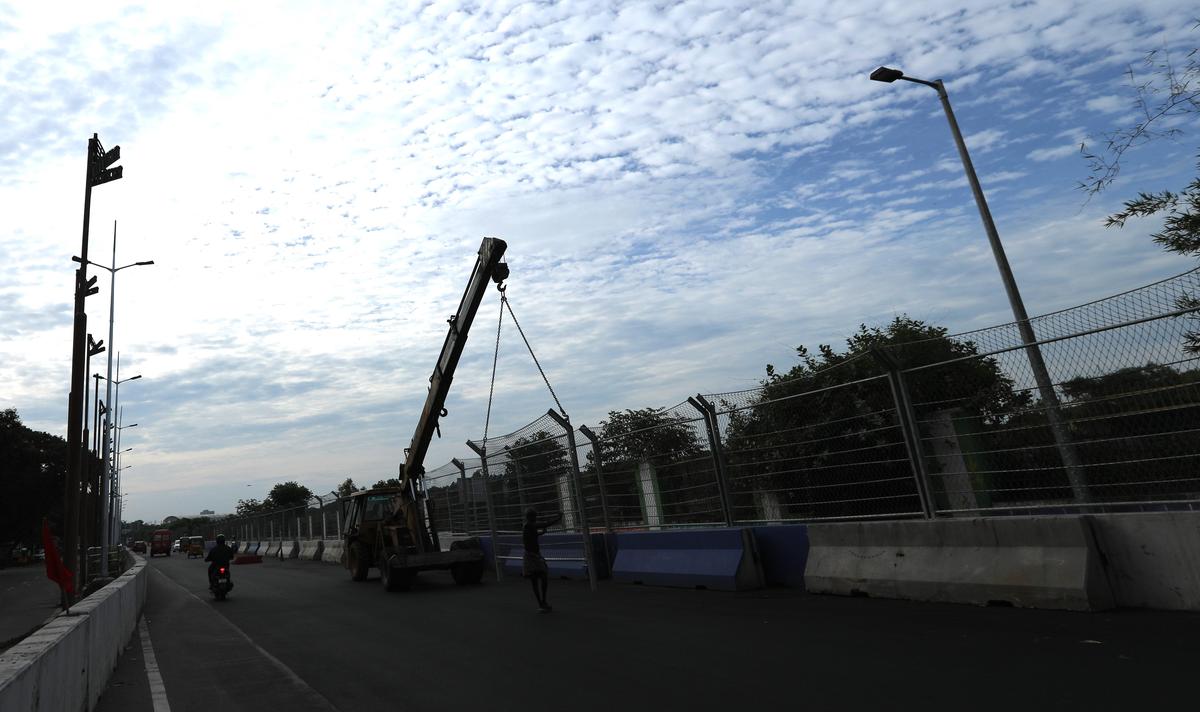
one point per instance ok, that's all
(487, 268)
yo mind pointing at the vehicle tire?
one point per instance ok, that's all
(357, 562)
(466, 573)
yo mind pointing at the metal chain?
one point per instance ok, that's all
(504, 301)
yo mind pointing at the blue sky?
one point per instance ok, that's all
(689, 191)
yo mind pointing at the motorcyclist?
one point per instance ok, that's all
(220, 556)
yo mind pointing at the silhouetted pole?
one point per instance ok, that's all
(1041, 375)
(98, 173)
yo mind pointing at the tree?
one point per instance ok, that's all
(250, 506)
(1170, 92)
(531, 471)
(347, 488)
(32, 477)
(670, 444)
(287, 495)
(822, 440)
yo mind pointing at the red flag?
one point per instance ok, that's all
(56, 571)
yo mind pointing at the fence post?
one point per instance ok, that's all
(908, 427)
(468, 499)
(709, 411)
(491, 514)
(321, 502)
(594, 441)
(565, 422)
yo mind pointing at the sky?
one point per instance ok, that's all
(689, 191)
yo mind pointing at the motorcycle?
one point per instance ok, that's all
(220, 584)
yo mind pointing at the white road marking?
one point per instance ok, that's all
(287, 671)
(158, 691)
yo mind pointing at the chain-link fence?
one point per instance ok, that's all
(319, 518)
(950, 425)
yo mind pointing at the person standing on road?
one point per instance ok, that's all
(534, 564)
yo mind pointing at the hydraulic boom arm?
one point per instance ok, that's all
(487, 268)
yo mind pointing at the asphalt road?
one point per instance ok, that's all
(27, 599)
(300, 635)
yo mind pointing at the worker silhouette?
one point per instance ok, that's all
(534, 564)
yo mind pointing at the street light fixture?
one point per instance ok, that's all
(1041, 374)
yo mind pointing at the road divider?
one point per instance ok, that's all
(333, 551)
(564, 553)
(1152, 559)
(1037, 562)
(290, 550)
(66, 663)
(310, 550)
(722, 559)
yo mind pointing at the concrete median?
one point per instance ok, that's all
(1037, 562)
(66, 664)
(333, 551)
(1153, 559)
(290, 550)
(310, 550)
(271, 550)
(720, 559)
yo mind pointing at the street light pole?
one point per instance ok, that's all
(1041, 375)
(108, 413)
(98, 173)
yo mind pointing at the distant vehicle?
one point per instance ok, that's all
(195, 546)
(178, 545)
(139, 547)
(160, 543)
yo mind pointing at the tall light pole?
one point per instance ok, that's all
(112, 300)
(114, 496)
(1041, 375)
(99, 171)
(109, 473)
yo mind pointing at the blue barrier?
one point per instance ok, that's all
(722, 559)
(564, 554)
(783, 551)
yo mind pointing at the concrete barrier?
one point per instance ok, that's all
(290, 550)
(1152, 560)
(251, 547)
(1039, 562)
(783, 551)
(66, 664)
(564, 554)
(310, 550)
(722, 559)
(333, 551)
(271, 550)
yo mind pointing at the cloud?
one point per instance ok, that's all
(1051, 154)
(689, 191)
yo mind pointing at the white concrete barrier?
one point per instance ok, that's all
(1153, 559)
(333, 551)
(310, 550)
(271, 550)
(65, 664)
(1038, 562)
(290, 550)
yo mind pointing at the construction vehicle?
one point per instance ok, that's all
(394, 528)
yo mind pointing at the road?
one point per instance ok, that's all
(302, 636)
(27, 599)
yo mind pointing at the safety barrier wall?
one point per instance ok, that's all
(1039, 562)
(783, 552)
(1152, 560)
(332, 551)
(310, 550)
(290, 550)
(564, 553)
(66, 664)
(721, 559)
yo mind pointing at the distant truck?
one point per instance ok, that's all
(160, 543)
